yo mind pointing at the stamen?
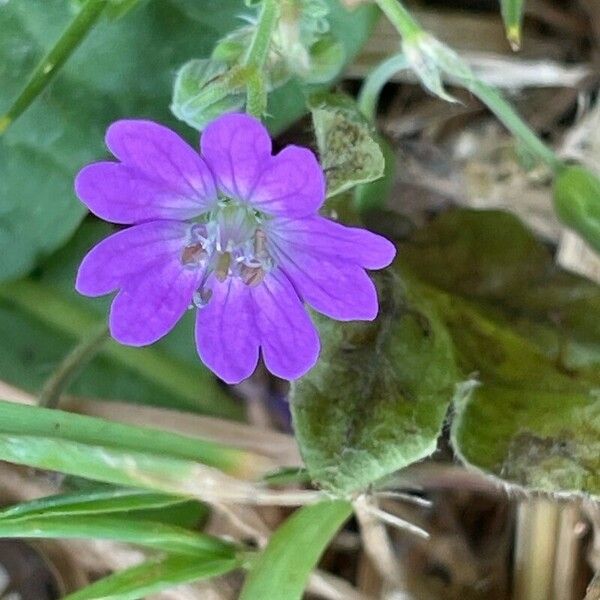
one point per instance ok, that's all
(201, 297)
(252, 276)
(192, 255)
(222, 266)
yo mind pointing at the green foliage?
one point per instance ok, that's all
(529, 336)
(194, 99)
(154, 576)
(105, 500)
(113, 452)
(473, 297)
(283, 568)
(577, 202)
(347, 143)
(158, 536)
(376, 400)
(120, 70)
(131, 516)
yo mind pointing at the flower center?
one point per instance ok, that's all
(229, 242)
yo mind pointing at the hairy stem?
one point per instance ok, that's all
(408, 28)
(257, 57)
(75, 33)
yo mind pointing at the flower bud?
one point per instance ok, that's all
(205, 89)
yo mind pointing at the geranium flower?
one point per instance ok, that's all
(232, 230)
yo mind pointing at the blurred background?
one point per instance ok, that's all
(487, 541)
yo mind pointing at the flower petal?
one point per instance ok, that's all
(160, 177)
(119, 257)
(236, 146)
(321, 236)
(289, 340)
(292, 184)
(337, 288)
(151, 302)
(226, 335)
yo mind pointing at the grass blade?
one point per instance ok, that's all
(125, 468)
(512, 13)
(282, 570)
(152, 577)
(103, 501)
(21, 420)
(167, 538)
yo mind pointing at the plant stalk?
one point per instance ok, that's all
(409, 28)
(68, 42)
(71, 366)
(256, 58)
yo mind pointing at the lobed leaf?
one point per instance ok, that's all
(528, 334)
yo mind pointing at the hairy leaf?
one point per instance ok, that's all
(528, 335)
(347, 143)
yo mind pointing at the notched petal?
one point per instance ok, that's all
(159, 177)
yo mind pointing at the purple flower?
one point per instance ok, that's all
(233, 230)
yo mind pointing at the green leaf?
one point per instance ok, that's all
(120, 70)
(152, 577)
(512, 13)
(528, 334)
(374, 195)
(123, 502)
(545, 441)
(51, 428)
(101, 501)
(377, 399)
(577, 202)
(347, 33)
(166, 538)
(282, 570)
(347, 143)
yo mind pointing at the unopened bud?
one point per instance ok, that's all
(205, 89)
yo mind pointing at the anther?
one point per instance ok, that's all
(252, 276)
(201, 297)
(192, 255)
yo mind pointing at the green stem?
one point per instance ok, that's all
(75, 33)
(408, 28)
(257, 57)
(371, 89)
(514, 123)
(71, 366)
(399, 17)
